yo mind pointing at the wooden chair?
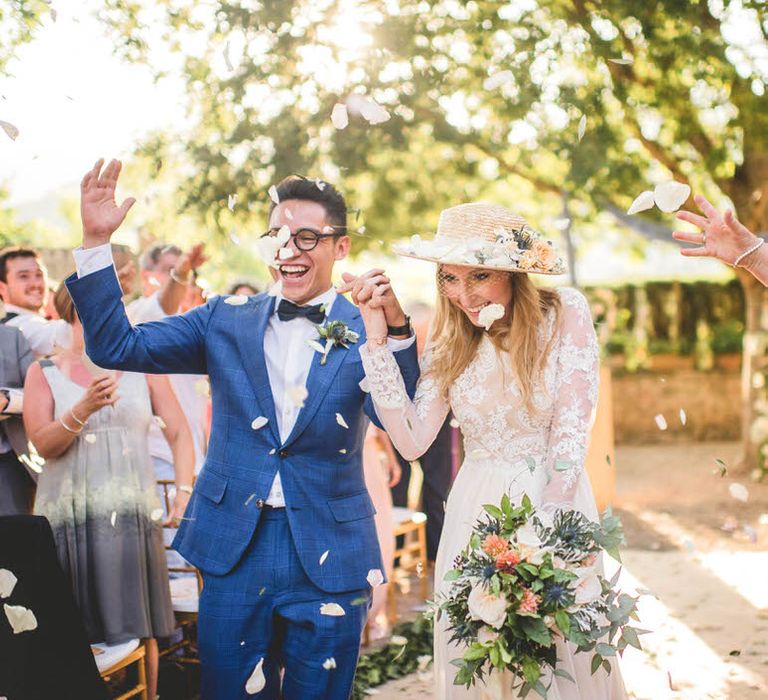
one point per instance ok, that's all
(185, 596)
(411, 525)
(111, 659)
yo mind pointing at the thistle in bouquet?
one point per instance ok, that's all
(528, 578)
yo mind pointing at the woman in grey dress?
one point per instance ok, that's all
(97, 487)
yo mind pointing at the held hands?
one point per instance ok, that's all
(101, 392)
(722, 236)
(379, 306)
(100, 213)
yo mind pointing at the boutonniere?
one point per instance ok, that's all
(333, 333)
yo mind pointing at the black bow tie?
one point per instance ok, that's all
(287, 311)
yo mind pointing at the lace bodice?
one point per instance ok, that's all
(487, 402)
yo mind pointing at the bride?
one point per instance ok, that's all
(518, 366)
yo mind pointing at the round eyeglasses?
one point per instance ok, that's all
(304, 239)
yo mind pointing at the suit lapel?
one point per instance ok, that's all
(252, 320)
(321, 376)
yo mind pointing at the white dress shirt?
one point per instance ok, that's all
(287, 354)
(43, 336)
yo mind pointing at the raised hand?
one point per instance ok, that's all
(101, 392)
(191, 260)
(100, 213)
(721, 237)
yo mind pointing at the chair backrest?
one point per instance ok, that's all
(168, 487)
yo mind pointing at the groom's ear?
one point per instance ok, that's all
(343, 245)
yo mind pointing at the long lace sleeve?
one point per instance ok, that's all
(577, 381)
(411, 425)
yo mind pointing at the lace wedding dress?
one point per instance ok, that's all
(508, 450)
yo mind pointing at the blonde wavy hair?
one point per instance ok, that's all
(454, 339)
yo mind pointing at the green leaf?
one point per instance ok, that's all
(605, 650)
(452, 575)
(629, 635)
(596, 663)
(493, 510)
(562, 673)
(563, 621)
(476, 651)
(536, 630)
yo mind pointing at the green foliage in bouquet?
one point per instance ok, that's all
(526, 579)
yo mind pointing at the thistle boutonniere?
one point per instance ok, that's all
(333, 334)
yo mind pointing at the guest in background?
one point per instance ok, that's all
(17, 480)
(243, 287)
(97, 488)
(382, 472)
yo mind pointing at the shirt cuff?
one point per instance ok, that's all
(88, 260)
(15, 401)
(396, 345)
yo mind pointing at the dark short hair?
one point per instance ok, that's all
(243, 283)
(11, 253)
(299, 187)
(64, 305)
(151, 256)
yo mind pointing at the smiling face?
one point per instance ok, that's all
(308, 273)
(471, 289)
(26, 283)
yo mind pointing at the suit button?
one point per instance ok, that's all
(283, 453)
(259, 503)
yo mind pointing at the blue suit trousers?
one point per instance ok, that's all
(267, 607)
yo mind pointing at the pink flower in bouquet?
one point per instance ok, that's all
(529, 603)
(493, 545)
(485, 606)
(508, 560)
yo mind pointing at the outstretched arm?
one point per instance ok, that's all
(577, 381)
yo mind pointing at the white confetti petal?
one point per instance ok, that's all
(156, 514)
(661, 422)
(202, 388)
(155, 282)
(324, 556)
(670, 196)
(231, 202)
(642, 202)
(339, 116)
(259, 422)
(285, 254)
(297, 395)
(7, 583)
(320, 185)
(227, 60)
(489, 314)
(20, 618)
(113, 518)
(256, 682)
(342, 451)
(316, 346)
(284, 234)
(373, 112)
(332, 609)
(498, 79)
(621, 61)
(398, 640)
(739, 492)
(266, 249)
(375, 578)
(340, 420)
(582, 127)
(365, 385)
(288, 215)
(329, 663)
(273, 194)
(9, 129)
(272, 451)
(683, 416)
(160, 422)
(90, 438)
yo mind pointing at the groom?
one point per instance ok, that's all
(280, 522)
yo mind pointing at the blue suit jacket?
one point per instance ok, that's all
(328, 506)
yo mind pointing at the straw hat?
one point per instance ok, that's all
(485, 235)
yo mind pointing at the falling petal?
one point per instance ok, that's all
(642, 202)
(365, 385)
(227, 60)
(361, 230)
(324, 556)
(156, 514)
(273, 194)
(454, 423)
(259, 422)
(20, 618)
(582, 127)
(249, 499)
(332, 609)
(398, 639)
(202, 388)
(9, 129)
(622, 61)
(90, 438)
(670, 196)
(297, 394)
(231, 202)
(285, 254)
(339, 116)
(683, 416)
(256, 682)
(661, 422)
(342, 451)
(283, 235)
(320, 185)
(272, 451)
(329, 663)
(267, 248)
(340, 420)
(375, 578)
(7, 583)
(288, 215)
(373, 112)
(160, 422)
(113, 518)
(155, 282)
(498, 79)
(490, 314)
(739, 492)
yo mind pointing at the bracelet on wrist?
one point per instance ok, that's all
(186, 488)
(67, 428)
(377, 341)
(175, 277)
(81, 423)
(748, 252)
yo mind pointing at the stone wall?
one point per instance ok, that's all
(711, 401)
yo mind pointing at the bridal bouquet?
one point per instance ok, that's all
(526, 579)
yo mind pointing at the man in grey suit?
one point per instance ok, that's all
(17, 482)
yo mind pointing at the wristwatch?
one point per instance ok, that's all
(7, 394)
(405, 329)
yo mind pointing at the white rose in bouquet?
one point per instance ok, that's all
(485, 606)
(588, 587)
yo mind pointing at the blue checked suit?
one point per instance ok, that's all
(327, 505)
